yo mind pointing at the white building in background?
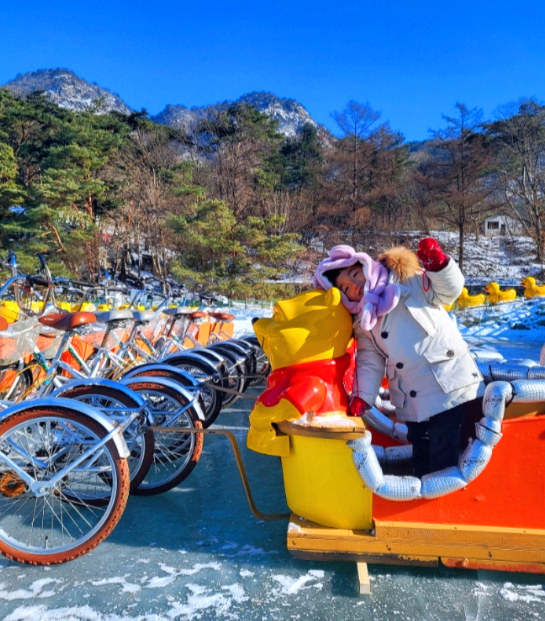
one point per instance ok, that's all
(501, 226)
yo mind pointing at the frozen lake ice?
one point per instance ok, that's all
(197, 552)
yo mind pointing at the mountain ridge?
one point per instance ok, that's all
(66, 89)
(290, 114)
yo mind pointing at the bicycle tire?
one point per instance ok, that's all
(140, 440)
(158, 346)
(213, 399)
(263, 366)
(176, 454)
(51, 528)
(234, 374)
(251, 359)
(244, 358)
(176, 375)
(14, 383)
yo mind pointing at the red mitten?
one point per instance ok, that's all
(431, 256)
(357, 406)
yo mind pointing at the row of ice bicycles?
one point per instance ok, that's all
(98, 384)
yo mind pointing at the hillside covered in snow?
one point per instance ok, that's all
(503, 259)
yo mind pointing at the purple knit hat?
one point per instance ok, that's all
(379, 297)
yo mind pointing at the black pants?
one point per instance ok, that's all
(436, 441)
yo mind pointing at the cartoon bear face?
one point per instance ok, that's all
(311, 326)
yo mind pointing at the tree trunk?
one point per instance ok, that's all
(539, 241)
(461, 234)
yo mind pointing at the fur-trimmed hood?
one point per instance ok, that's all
(401, 261)
(380, 294)
(381, 291)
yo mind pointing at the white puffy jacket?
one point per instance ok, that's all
(427, 362)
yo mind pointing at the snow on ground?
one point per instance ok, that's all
(519, 320)
(515, 329)
(502, 259)
(244, 313)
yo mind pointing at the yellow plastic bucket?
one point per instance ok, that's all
(322, 484)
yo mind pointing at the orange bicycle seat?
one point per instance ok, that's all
(197, 315)
(222, 316)
(67, 321)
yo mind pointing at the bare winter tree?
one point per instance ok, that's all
(152, 189)
(519, 134)
(458, 175)
(362, 171)
(356, 122)
(240, 141)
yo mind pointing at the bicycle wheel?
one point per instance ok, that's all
(234, 372)
(263, 366)
(45, 525)
(140, 440)
(14, 383)
(176, 374)
(245, 357)
(250, 359)
(176, 453)
(212, 398)
(159, 346)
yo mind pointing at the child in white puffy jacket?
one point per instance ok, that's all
(403, 332)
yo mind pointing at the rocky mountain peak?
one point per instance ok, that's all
(67, 90)
(290, 114)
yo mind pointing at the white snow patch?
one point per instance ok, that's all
(73, 613)
(246, 573)
(127, 587)
(317, 573)
(290, 585)
(159, 582)
(324, 421)
(522, 593)
(236, 591)
(35, 590)
(203, 599)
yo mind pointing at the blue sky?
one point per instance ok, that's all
(410, 60)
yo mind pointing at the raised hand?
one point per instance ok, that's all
(430, 254)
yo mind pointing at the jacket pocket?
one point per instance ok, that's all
(452, 369)
(397, 396)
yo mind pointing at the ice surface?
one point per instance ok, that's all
(210, 559)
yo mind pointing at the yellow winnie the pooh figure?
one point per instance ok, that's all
(306, 341)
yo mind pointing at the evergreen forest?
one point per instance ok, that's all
(232, 206)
